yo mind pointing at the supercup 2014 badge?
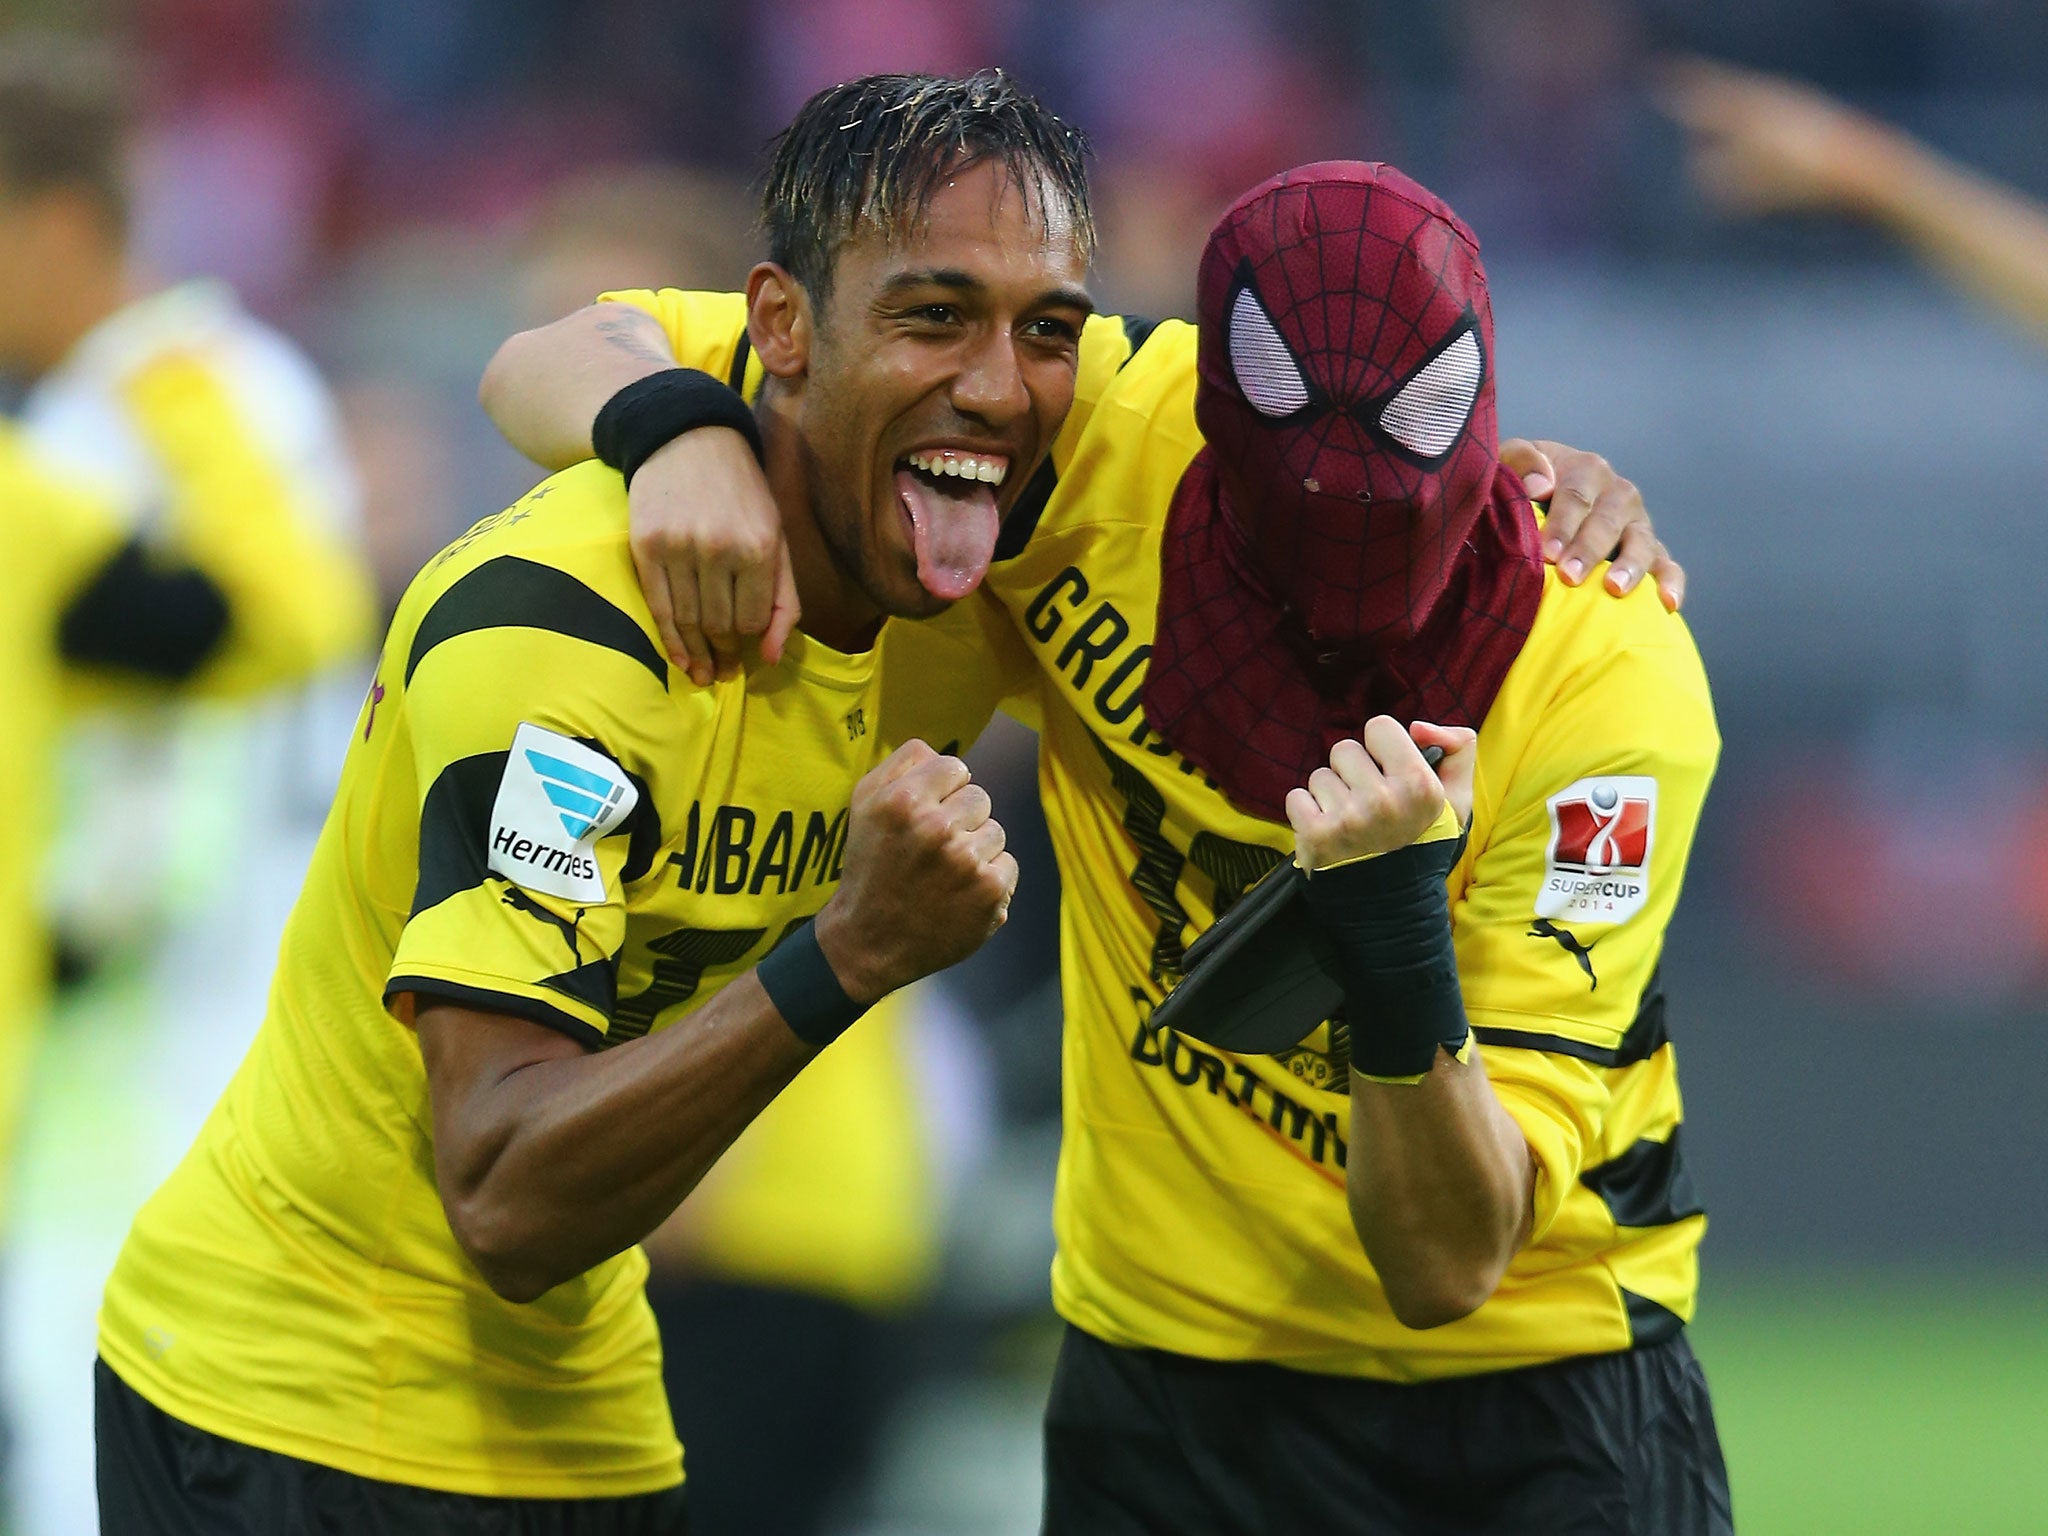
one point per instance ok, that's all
(556, 799)
(1597, 868)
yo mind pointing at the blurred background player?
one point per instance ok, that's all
(82, 590)
(184, 829)
(1764, 145)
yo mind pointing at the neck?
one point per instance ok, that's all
(835, 610)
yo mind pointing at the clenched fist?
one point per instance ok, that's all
(1379, 793)
(927, 879)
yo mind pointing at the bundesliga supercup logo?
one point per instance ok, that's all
(1597, 867)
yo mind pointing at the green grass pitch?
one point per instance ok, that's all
(1852, 1402)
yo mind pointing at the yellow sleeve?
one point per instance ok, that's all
(65, 534)
(1561, 924)
(707, 331)
(1107, 343)
(299, 596)
(532, 748)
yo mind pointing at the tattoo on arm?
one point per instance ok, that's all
(630, 337)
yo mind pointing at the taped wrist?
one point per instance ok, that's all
(805, 990)
(1390, 922)
(653, 412)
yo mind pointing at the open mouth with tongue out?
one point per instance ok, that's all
(949, 496)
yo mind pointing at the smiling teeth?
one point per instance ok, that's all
(965, 466)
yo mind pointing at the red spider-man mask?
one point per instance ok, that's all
(1331, 551)
(1345, 389)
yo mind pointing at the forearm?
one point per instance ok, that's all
(298, 595)
(580, 1157)
(1991, 240)
(544, 387)
(1441, 1182)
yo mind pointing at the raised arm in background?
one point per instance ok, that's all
(1765, 145)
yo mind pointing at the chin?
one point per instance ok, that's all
(914, 604)
(891, 584)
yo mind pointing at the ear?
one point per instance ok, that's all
(779, 321)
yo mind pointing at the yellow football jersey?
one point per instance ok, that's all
(1201, 1198)
(1200, 1204)
(537, 817)
(54, 538)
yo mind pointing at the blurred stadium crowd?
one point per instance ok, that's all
(1846, 456)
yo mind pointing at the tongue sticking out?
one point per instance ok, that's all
(953, 532)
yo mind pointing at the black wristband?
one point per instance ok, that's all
(1390, 921)
(651, 413)
(805, 990)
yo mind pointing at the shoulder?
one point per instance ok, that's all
(1585, 637)
(1132, 432)
(707, 331)
(1605, 689)
(1144, 371)
(546, 583)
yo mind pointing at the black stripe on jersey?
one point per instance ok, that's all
(595, 982)
(736, 375)
(679, 960)
(511, 593)
(1646, 1036)
(1137, 331)
(133, 614)
(427, 990)
(1647, 1186)
(1557, 1045)
(1649, 1322)
(1023, 519)
(642, 828)
(455, 827)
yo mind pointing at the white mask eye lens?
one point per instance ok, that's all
(1431, 409)
(1265, 368)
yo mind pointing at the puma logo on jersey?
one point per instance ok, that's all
(1573, 945)
(519, 901)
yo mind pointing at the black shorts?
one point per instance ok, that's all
(158, 1476)
(1140, 1441)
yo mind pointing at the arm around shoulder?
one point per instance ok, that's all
(544, 387)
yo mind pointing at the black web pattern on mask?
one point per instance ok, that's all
(1346, 364)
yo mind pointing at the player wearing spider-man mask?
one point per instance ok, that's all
(1337, 1288)
(1348, 543)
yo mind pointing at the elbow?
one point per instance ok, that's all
(495, 388)
(1441, 1296)
(512, 1279)
(1431, 1276)
(504, 1250)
